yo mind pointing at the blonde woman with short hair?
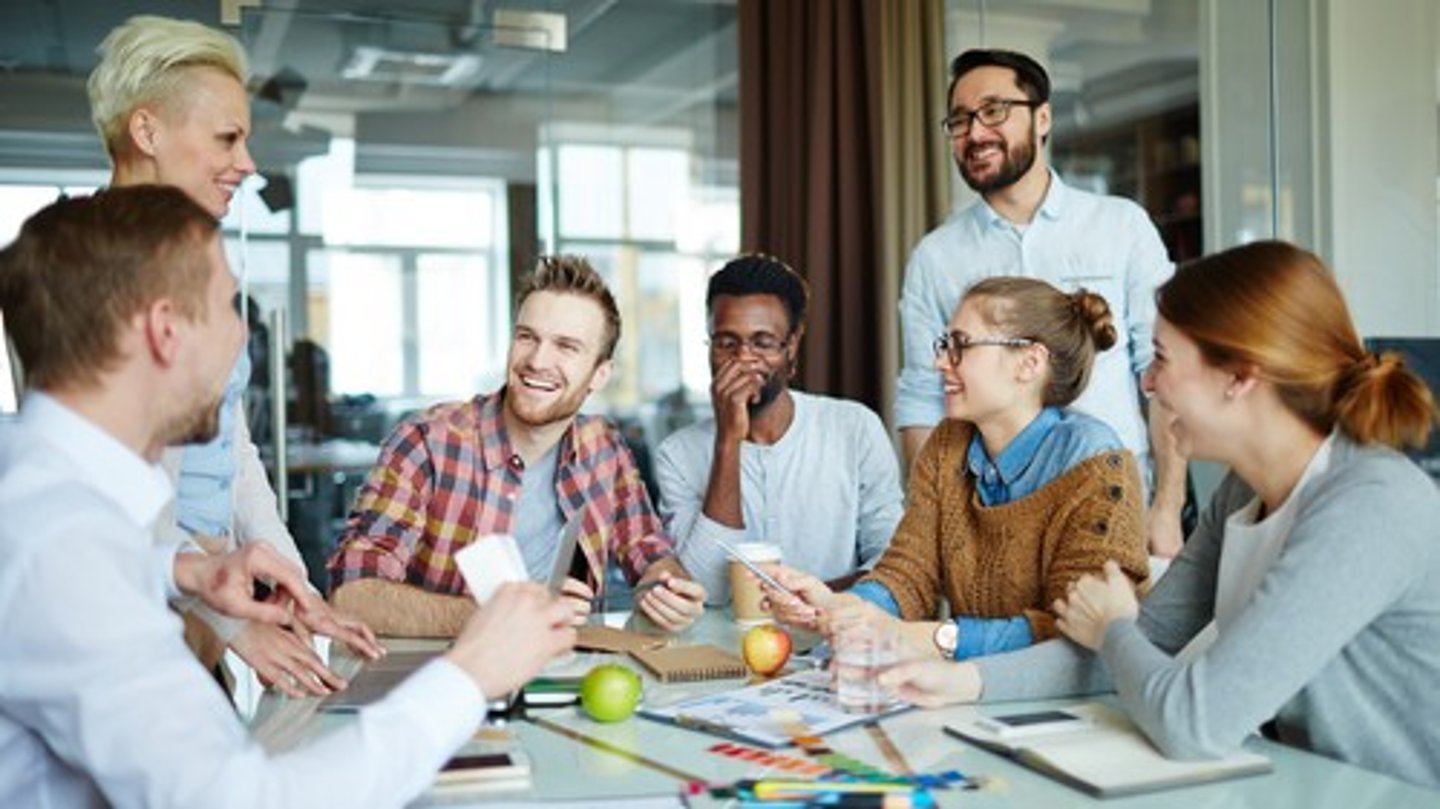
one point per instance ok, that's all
(168, 98)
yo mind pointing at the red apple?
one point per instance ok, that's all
(766, 648)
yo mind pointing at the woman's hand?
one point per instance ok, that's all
(806, 607)
(1093, 603)
(846, 611)
(932, 683)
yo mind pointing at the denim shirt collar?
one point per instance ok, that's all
(1016, 457)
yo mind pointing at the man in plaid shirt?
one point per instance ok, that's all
(519, 461)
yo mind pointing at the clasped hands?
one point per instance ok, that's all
(226, 583)
(1092, 603)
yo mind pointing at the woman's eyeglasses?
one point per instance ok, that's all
(953, 344)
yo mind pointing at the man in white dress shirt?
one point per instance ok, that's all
(121, 309)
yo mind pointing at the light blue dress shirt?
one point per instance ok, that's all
(204, 503)
(1077, 239)
(1052, 443)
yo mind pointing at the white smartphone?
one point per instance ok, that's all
(1010, 726)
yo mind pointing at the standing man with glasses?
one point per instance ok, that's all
(813, 475)
(1029, 223)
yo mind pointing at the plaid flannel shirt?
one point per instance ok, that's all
(448, 476)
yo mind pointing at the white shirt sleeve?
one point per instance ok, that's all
(682, 501)
(919, 399)
(1149, 267)
(257, 513)
(99, 672)
(881, 503)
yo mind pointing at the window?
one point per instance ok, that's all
(405, 284)
(638, 213)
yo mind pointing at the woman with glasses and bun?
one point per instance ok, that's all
(1012, 498)
(1309, 593)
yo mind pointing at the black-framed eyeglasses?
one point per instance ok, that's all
(953, 344)
(761, 345)
(994, 112)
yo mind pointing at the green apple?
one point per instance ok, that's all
(610, 692)
(766, 648)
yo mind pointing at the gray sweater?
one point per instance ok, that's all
(1340, 642)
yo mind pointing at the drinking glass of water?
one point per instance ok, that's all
(861, 651)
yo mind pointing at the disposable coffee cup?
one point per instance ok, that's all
(745, 590)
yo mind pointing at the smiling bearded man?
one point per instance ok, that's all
(519, 461)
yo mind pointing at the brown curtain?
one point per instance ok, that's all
(835, 178)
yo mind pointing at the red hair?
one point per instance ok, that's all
(1275, 307)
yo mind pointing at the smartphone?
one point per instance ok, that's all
(468, 767)
(551, 692)
(1009, 726)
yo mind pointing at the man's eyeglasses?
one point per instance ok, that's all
(953, 344)
(992, 113)
(761, 345)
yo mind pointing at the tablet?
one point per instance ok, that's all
(565, 555)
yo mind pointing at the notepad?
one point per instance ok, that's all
(596, 638)
(1106, 755)
(683, 664)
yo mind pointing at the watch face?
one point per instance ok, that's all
(947, 637)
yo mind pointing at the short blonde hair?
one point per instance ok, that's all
(145, 60)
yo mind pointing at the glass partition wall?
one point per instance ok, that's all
(415, 158)
(395, 252)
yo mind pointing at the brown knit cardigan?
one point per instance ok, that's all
(1011, 559)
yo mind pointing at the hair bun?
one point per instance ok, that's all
(1095, 312)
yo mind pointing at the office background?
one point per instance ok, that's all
(415, 157)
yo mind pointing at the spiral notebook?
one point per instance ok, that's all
(684, 664)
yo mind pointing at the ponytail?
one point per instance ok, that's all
(1277, 308)
(1094, 314)
(1380, 400)
(1072, 327)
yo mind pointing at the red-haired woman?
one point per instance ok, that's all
(1316, 563)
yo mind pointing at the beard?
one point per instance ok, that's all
(199, 425)
(775, 382)
(1016, 163)
(533, 414)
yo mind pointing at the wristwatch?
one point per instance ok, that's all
(947, 639)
